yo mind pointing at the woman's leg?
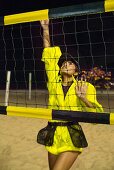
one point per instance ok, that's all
(51, 160)
(65, 160)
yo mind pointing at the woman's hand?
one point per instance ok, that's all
(44, 24)
(81, 89)
(81, 92)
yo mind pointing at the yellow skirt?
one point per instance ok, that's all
(62, 142)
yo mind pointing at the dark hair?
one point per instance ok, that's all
(68, 57)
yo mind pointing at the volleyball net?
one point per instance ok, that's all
(85, 31)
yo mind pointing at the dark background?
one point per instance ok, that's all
(17, 6)
(89, 37)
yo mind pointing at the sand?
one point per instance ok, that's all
(19, 149)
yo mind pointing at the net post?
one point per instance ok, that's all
(30, 85)
(7, 87)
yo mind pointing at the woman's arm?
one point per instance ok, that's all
(87, 94)
(50, 55)
(46, 35)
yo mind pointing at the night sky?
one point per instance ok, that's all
(91, 37)
(17, 6)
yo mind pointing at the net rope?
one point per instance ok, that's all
(88, 37)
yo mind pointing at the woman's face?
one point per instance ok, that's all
(68, 68)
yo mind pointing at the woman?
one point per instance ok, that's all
(64, 140)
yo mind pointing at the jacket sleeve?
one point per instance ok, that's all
(50, 57)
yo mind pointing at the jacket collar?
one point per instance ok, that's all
(60, 79)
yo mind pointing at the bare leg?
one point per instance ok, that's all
(51, 160)
(65, 160)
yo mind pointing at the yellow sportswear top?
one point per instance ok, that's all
(57, 101)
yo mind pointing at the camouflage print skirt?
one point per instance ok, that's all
(46, 135)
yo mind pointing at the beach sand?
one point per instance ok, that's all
(19, 149)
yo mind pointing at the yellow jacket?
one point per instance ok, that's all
(57, 101)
